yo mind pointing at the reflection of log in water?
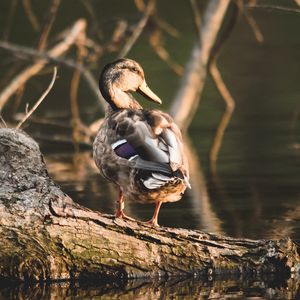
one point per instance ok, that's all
(201, 202)
(286, 224)
(45, 235)
(184, 288)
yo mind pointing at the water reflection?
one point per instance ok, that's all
(210, 205)
(230, 288)
(80, 178)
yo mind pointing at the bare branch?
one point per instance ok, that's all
(168, 28)
(117, 36)
(9, 19)
(256, 30)
(186, 100)
(230, 104)
(273, 7)
(30, 15)
(26, 52)
(94, 20)
(57, 50)
(156, 43)
(197, 16)
(3, 121)
(80, 131)
(165, 26)
(50, 18)
(218, 138)
(222, 88)
(39, 100)
(251, 21)
(138, 29)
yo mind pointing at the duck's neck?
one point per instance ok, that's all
(119, 99)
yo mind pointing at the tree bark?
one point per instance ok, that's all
(44, 235)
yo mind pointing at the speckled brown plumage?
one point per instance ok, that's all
(141, 151)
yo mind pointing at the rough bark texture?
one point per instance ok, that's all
(44, 235)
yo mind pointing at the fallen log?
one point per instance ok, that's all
(45, 236)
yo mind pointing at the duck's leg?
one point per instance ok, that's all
(120, 207)
(154, 218)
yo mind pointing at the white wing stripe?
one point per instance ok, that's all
(118, 143)
(161, 177)
(133, 157)
(152, 183)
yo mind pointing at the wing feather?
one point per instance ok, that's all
(157, 142)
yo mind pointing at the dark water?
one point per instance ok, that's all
(255, 190)
(230, 288)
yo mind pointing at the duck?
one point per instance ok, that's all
(141, 151)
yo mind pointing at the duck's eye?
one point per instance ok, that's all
(134, 69)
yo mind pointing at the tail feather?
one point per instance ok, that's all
(157, 180)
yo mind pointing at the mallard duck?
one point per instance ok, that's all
(141, 151)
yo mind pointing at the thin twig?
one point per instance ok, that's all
(250, 19)
(117, 36)
(222, 88)
(156, 43)
(253, 24)
(80, 131)
(168, 28)
(138, 29)
(9, 19)
(49, 21)
(197, 16)
(30, 15)
(94, 19)
(218, 139)
(159, 22)
(26, 108)
(39, 100)
(3, 121)
(73, 95)
(274, 7)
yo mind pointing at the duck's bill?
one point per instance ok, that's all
(147, 93)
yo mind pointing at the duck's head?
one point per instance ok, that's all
(121, 78)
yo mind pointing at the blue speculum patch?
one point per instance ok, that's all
(125, 150)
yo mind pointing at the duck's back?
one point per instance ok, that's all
(142, 152)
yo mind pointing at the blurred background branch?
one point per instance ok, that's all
(136, 32)
(39, 101)
(186, 101)
(27, 73)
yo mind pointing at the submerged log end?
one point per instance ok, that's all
(44, 235)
